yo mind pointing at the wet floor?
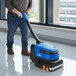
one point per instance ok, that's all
(18, 65)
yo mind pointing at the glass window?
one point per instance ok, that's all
(37, 11)
(63, 13)
(67, 13)
(50, 12)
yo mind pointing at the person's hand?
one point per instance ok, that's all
(17, 12)
(28, 11)
(20, 14)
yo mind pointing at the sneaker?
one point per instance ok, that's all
(25, 52)
(10, 51)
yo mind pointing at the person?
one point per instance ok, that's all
(14, 22)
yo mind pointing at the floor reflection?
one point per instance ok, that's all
(2, 58)
(26, 66)
(11, 66)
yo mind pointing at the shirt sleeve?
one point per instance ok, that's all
(30, 4)
(8, 5)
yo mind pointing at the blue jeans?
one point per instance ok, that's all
(13, 23)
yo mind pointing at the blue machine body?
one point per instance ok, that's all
(48, 48)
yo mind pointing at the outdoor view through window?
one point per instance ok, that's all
(68, 12)
(64, 12)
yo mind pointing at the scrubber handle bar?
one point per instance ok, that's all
(28, 23)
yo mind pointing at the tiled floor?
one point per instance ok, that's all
(18, 65)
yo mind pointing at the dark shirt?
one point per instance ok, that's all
(20, 5)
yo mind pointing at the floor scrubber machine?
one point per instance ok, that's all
(43, 55)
